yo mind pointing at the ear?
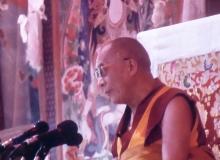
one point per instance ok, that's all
(132, 66)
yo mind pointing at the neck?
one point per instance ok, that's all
(143, 89)
(139, 95)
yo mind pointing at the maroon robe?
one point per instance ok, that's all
(153, 132)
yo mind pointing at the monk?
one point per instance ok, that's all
(159, 122)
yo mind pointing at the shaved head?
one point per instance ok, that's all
(122, 66)
(127, 47)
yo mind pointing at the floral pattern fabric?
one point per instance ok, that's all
(200, 77)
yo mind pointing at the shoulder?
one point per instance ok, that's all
(177, 96)
(178, 108)
(178, 121)
(171, 94)
(178, 103)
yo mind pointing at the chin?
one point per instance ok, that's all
(117, 101)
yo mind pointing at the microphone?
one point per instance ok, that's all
(65, 133)
(8, 146)
(39, 127)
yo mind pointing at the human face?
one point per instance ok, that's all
(110, 73)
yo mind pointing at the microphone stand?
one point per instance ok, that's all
(41, 153)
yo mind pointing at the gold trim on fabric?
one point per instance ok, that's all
(138, 136)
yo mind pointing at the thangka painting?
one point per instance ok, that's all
(84, 25)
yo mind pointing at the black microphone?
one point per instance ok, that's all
(39, 127)
(8, 146)
(66, 133)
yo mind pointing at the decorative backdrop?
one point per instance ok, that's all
(200, 77)
(88, 24)
(85, 25)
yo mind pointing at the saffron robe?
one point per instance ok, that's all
(143, 140)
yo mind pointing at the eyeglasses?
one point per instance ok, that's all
(100, 71)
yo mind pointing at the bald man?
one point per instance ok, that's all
(159, 122)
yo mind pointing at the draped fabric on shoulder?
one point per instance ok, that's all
(143, 140)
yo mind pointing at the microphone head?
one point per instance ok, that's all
(41, 127)
(67, 126)
(62, 135)
(66, 133)
(74, 140)
(68, 129)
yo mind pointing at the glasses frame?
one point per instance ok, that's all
(99, 72)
